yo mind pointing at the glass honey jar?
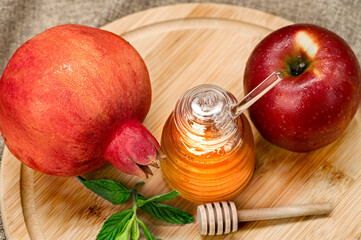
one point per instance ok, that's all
(209, 145)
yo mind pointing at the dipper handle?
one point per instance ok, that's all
(257, 93)
(283, 212)
(222, 218)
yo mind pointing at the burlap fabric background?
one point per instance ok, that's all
(21, 20)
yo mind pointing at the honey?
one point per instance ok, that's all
(210, 154)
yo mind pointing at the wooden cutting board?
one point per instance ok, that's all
(183, 46)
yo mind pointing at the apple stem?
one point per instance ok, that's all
(298, 69)
(257, 93)
(297, 65)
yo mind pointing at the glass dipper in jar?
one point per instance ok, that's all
(208, 142)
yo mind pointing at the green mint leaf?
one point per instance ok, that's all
(110, 190)
(135, 231)
(115, 225)
(147, 234)
(166, 196)
(166, 213)
(126, 231)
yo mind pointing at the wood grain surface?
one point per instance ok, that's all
(184, 46)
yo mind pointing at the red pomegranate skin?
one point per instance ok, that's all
(308, 111)
(69, 93)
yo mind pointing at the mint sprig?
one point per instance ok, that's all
(125, 224)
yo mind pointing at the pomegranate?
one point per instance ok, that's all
(72, 99)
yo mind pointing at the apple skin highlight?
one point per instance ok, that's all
(319, 95)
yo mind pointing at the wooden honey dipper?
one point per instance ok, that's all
(222, 217)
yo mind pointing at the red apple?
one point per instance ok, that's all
(319, 95)
(72, 99)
